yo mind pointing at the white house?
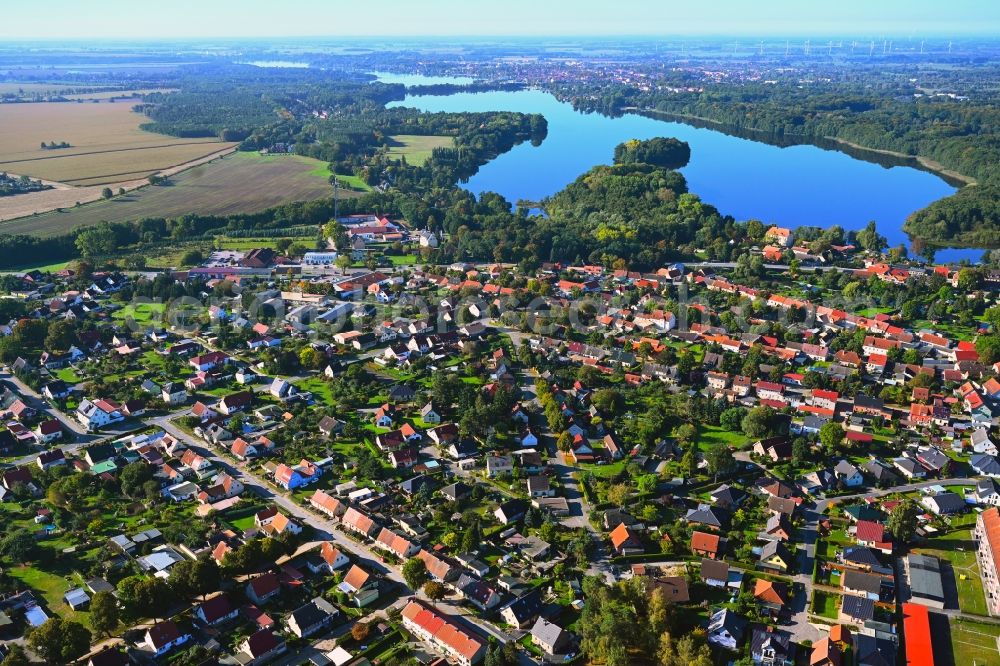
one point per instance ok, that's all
(163, 637)
(94, 414)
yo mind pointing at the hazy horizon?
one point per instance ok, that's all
(118, 20)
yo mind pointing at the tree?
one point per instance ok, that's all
(870, 239)
(133, 476)
(689, 461)
(732, 418)
(360, 631)
(96, 241)
(988, 348)
(104, 613)
(618, 494)
(59, 641)
(194, 577)
(19, 546)
(106, 193)
(192, 258)
(144, 596)
(719, 458)
(415, 573)
(902, 521)
(434, 590)
(758, 422)
(831, 435)
(343, 262)
(15, 656)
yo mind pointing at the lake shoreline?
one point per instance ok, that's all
(917, 161)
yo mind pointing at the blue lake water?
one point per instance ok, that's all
(787, 186)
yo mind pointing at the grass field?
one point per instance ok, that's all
(971, 598)
(416, 148)
(974, 643)
(107, 145)
(238, 183)
(141, 313)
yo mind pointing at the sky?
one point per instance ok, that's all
(129, 19)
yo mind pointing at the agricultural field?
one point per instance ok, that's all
(238, 183)
(417, 148)
(106, 143)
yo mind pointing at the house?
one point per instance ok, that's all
(848, 475)
(217, 610)
(327, 504)
(523, 610)
(51, 458)
(397, 545)
(771, 597)
(728, 497)
(945, 503)
(704, 544)
(163, 637)
(539, 486)
(300, 475)
(330, 426)
(674, 588)
(478, 592)
(430, 415)
(510, 511)
(427, 623)
(987, 492)
(856, 610)
(827, 652)
(332, 558)
(714, 573)
(95, 414)
(312, 617)
(235, 402)
(549, 637)
(625, 541)
(358, 522)
(706, 515)
(360, 585)
(727, 629)
(109, 656)
(497, 465)
(862, 584)
(173, 394)
(778, 527)
(260, 647)
(770, 646)
(263, 588)
(985, 464)
(774, 555)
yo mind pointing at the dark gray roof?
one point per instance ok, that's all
(857, 580)
(527, 606)
(858, 608)
(925, 577)
(775, 639)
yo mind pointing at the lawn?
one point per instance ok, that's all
(416, 148)
(319, 387)
(45, 268)
(142, 313)
(974, 643)
(68, 375)
(52, 588)
(826, 604)
(709, 435)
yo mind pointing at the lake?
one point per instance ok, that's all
(788, 186)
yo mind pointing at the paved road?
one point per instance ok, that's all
(325, 529)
